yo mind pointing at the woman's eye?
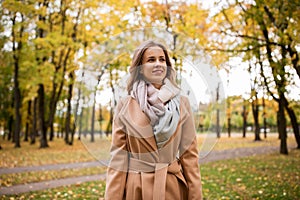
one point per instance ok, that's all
(151, 60)
(162, 60)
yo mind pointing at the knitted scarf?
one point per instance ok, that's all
(161, 106)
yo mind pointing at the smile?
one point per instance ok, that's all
(158, 71)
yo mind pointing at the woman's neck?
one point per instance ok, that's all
(156, 85)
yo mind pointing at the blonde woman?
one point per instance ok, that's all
(154, 147)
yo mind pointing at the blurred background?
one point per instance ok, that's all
(64, 64)
(62, 60)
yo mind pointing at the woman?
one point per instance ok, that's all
(154, 146)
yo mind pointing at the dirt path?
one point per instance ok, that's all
(29, 187)
(49, 167)
(237, 153)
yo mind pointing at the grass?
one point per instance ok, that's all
(88, 190)
(237, 141)
(261, 177)
(28, 177)
(271, 176)
(32, 155)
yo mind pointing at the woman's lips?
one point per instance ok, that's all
(157, 71)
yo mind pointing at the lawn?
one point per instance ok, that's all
(32, 155)
(237, 141)
(260, 177)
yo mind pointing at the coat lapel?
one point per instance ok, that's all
(139, 130)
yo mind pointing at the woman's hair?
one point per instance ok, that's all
(136, 64)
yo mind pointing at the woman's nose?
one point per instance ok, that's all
(157, 62)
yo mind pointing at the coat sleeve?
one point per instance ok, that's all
(118, 167)
(189, 155)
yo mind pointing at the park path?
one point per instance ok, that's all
(35, 186)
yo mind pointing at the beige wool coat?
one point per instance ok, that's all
(139, 171)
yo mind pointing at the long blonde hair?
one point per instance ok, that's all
(136, 64)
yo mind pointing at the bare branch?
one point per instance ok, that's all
(235, 50)
(265, 80)
(252, 38)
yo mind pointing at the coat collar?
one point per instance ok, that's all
(138, 124)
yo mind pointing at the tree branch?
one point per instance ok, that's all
(235, 50)
(252, 38)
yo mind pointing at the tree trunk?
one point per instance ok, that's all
(17, 107)
(72, 133)
(10, 127)
(282, 127)
(27, 129)
(51, 132)
(67, 122)
(76, 111)
(218, 112)
(100, 120)
(55, 96)
(244, 120)
(94, 109)
(62, 125)
(68, 115)
(255, 112)
(43, 127)
(294, 122)
(52, 106)
(93, 120)
(77, 108)
(16, 46)
(67, 128)
(72, 123)
(264, 117)
(87, 121)
(229, 127)
(33, 133)
(80, 124)
(256, 126)
(277, 70)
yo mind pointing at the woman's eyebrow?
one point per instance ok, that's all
(154, 56)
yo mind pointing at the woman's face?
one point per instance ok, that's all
(154, 67)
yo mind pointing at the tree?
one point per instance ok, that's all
(18, 18)
(252, 24)
(28, 119)
(278, 67)
(255, 112)
(244, 115)
(6, 107)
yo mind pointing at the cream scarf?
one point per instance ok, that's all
(161, 106)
